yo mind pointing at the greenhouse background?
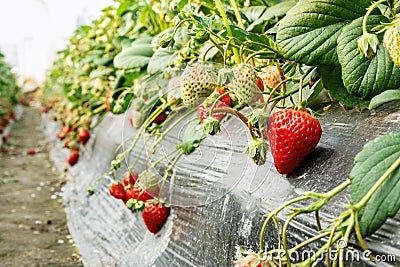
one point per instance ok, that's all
(174, 133)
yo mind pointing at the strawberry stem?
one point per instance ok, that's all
(369, 11)
(228, 28)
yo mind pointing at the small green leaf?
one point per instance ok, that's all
(331, 78)
(361, 76)
(387, 96)
(192, 136)
(370, 164)
(308, 34)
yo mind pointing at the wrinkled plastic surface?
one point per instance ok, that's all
(219, 196)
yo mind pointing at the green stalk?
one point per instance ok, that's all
(369, 11)
(228, 28)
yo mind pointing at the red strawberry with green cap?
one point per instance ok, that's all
(117, 190)
(140, 194)
(292, 135)
(154, 216)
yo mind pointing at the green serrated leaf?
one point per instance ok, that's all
(192, 136)
(136, 56)
(361, 76)
(370, 164)
(387, 96)
(308, 34)
(331, 78)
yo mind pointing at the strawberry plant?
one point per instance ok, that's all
(274, 65)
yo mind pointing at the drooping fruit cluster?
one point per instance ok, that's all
(292, 135)
(154, 212)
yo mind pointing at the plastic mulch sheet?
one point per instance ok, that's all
(218, 195)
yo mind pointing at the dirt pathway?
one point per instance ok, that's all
(33, 229)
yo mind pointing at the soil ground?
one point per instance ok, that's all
(33, 226)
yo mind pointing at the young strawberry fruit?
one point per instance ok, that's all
(391, 41)
(117, 190)
(197, 83)
(271, 77)
(292, 135)
(244, 83)
(73, 157)
(130, 178)
(154, 216)
(84, 136)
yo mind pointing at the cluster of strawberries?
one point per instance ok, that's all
(5, 120)
(154, 212)
(71, 139)
(292, 132)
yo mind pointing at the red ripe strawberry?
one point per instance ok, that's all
(205, 112)
(130, 178)
(84, 136)
(73, 157)
(66, 130)
(1, 129)
(226, 98)
(154, 216)
(60, 135)
(140, 194)
(292, 135)
(117, 190)
(260, 84)
(31, 151)
(108, 95)
(160, 118)
(129, 192)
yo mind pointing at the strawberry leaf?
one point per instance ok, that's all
(332, 81)
(137, 56)
(370, 164)
(308, 34)
(361, 76)
(160, 60)
(192, 136)
(387, 96)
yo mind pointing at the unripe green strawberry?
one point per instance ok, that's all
(391, 40)
(244, 83)
(197, 83)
